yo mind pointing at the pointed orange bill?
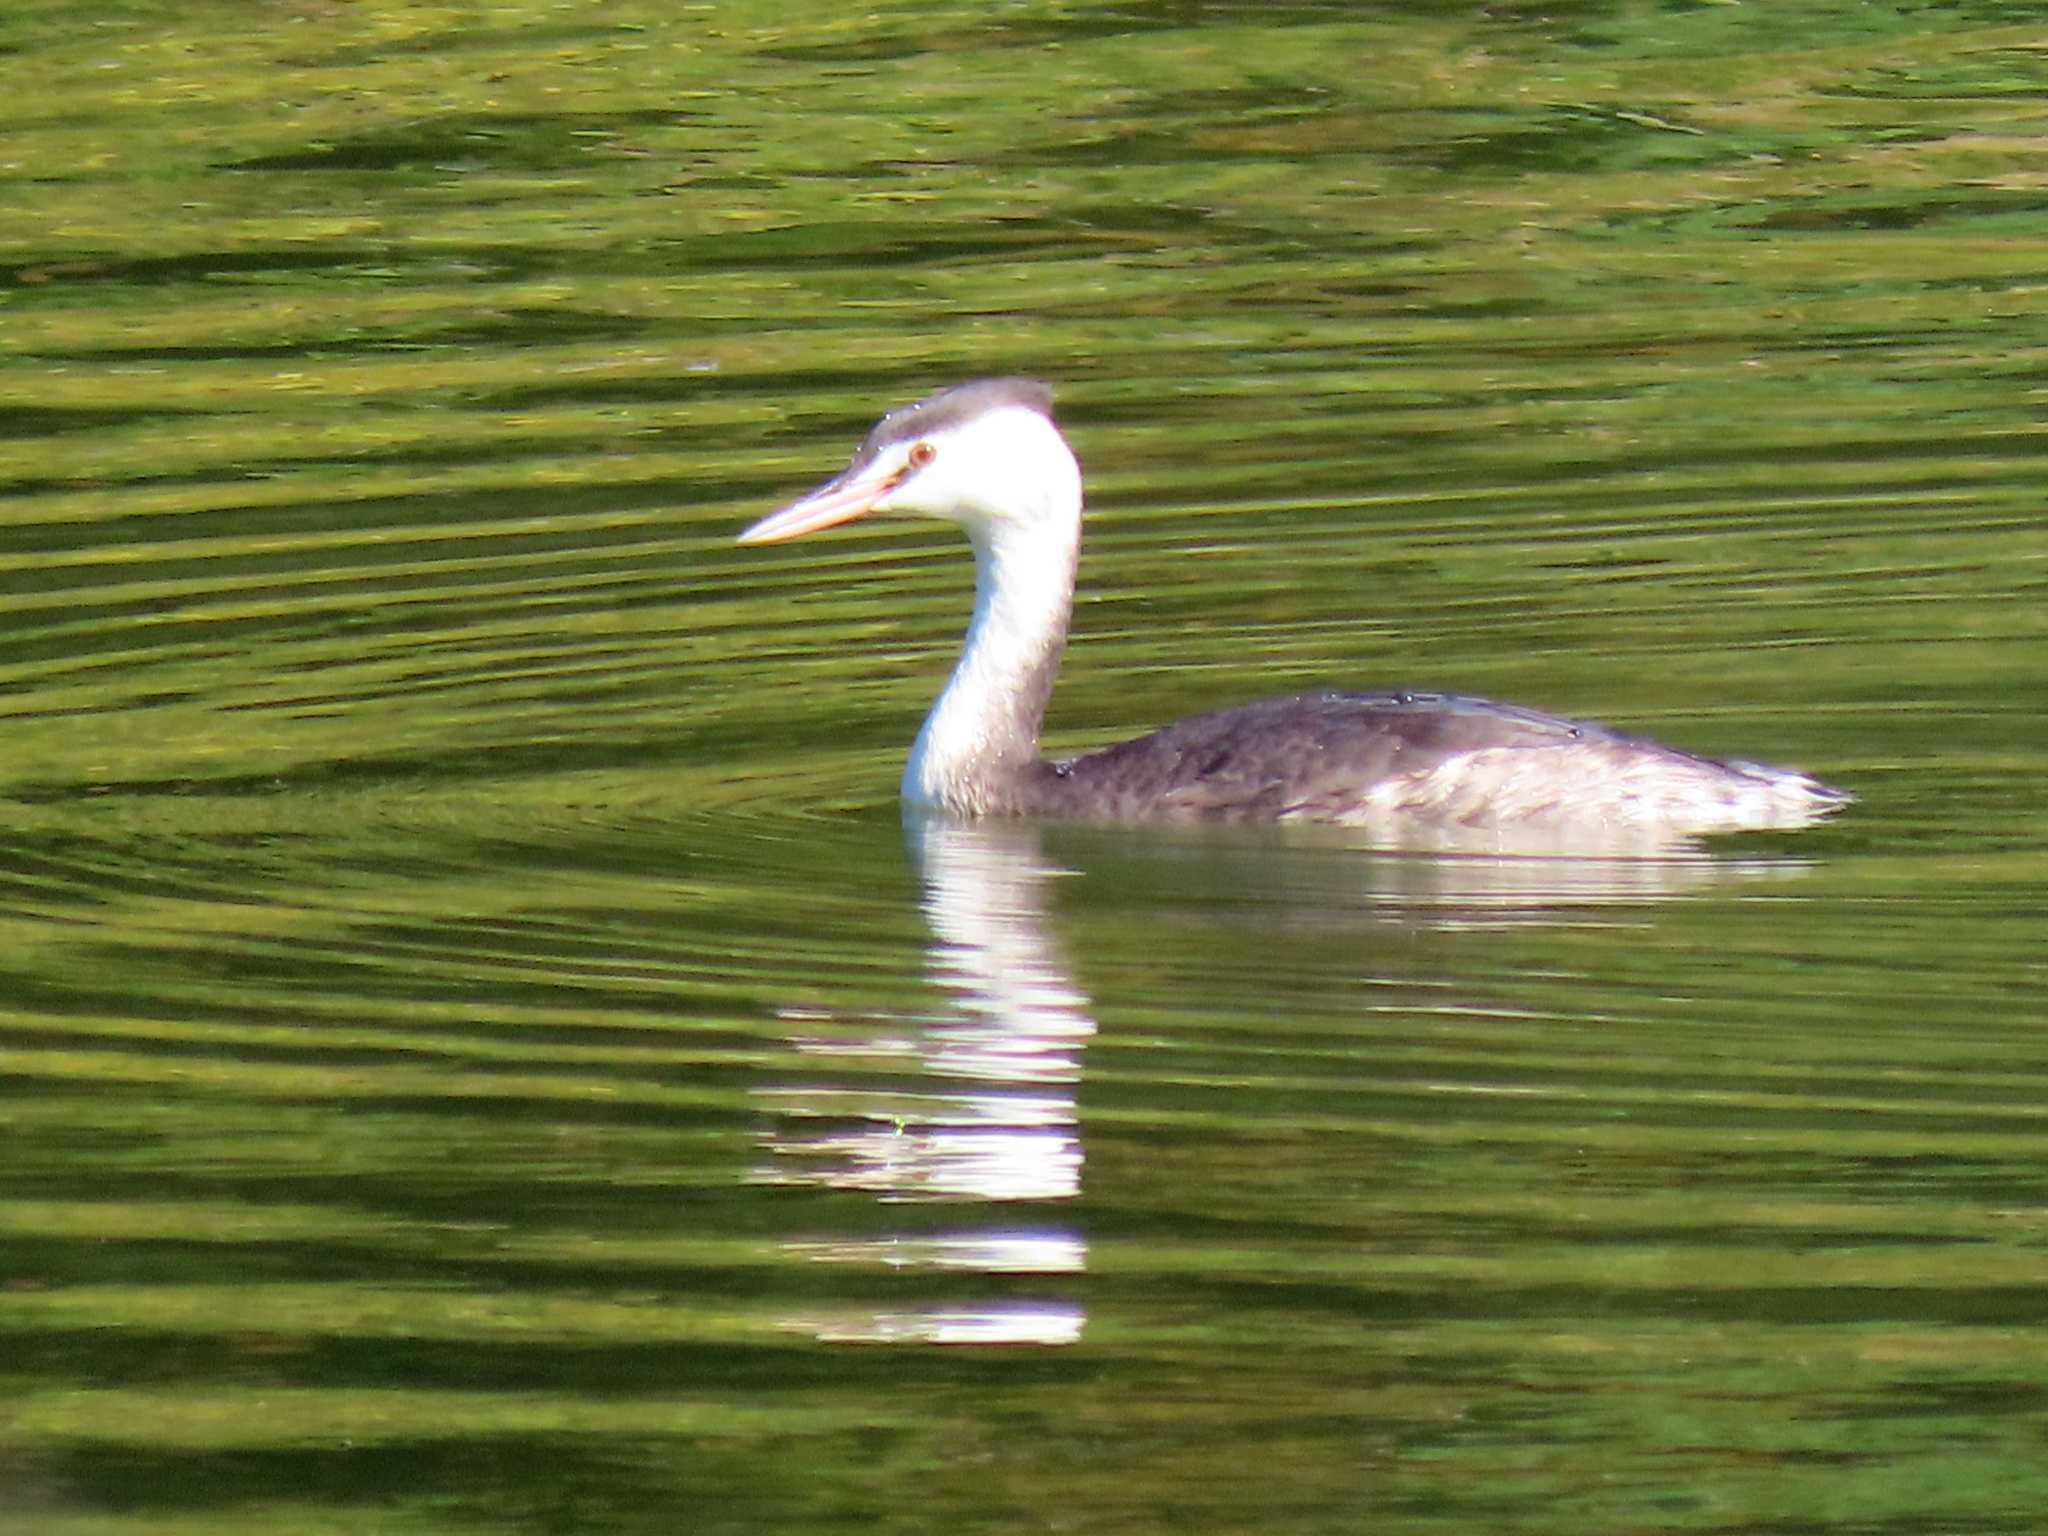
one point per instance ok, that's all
(839, 500)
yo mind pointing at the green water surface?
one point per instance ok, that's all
(479, 1051)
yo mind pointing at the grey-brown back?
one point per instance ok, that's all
(1369, 758)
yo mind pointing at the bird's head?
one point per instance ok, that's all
(985, 455)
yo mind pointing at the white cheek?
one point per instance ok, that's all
(1005, 468)
(937, 490)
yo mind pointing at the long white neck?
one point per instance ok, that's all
(980, 741)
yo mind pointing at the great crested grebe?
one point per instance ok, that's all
(987, 456)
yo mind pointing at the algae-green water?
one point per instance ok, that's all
(479, 1050)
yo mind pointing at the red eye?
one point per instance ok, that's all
(922, 454)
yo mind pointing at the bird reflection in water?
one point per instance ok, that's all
(983, 1111)
(993, 1118)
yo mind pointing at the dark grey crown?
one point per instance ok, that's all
(952, 407)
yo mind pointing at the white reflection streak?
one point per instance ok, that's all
(1018, 1030)
(993, 1253)
(1038, 1323)
(933, 1162)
